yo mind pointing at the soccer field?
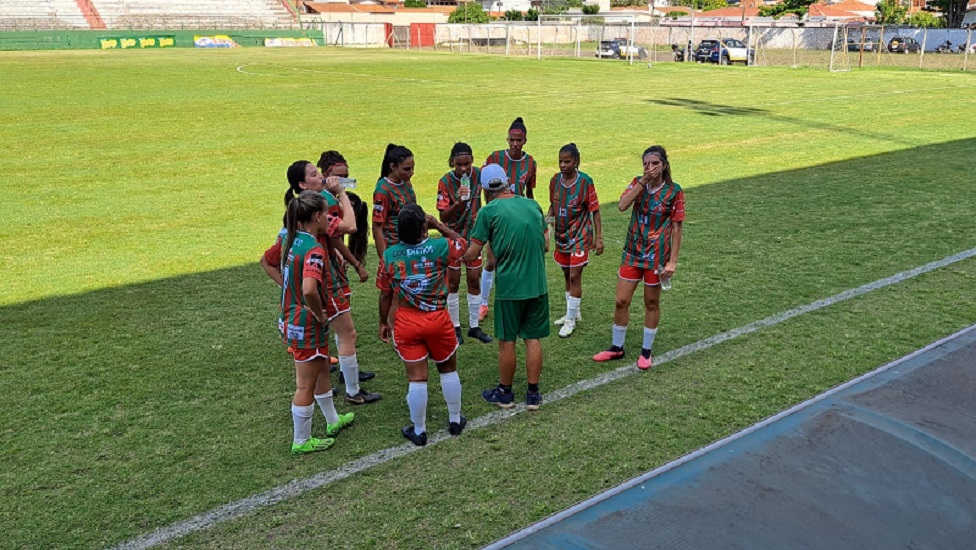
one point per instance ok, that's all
(144, 382)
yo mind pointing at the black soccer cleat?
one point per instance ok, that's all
(479, 334)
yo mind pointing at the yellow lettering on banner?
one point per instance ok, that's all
(108, 44)
(167, 41)
(128, 42)
(147, 42)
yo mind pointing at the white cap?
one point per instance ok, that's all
(493, 177)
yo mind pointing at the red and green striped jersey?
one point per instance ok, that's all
(388, 199)
(521, 173)
(572, 208)
(299, 329)
(648, 244)
(448, 194)
(417, 273)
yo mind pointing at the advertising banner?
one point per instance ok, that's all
(137, 42)
(216, 41)
(289, 43)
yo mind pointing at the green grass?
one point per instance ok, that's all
(142, 374)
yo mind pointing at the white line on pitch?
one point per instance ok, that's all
(298, 487)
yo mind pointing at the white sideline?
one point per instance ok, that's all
(297, 487)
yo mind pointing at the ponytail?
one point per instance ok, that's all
(300, 210)
(358, 241)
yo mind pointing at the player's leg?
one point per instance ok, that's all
(507, 315)
(443, 350)
(627, 282)
(308, 368)
(574, 297)
(410, 345)
(533, 327)
(652, 317)
(487, 279)
(345, 331)
(454, 299)
(472, 273)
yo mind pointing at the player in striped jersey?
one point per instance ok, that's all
(393, 192)
(458, 201)
(575, 213)
(331, 163)
(521, 169)
(303, 324)
(650, 251)
(415, 271)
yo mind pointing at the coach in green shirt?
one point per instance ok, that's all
(516, 231)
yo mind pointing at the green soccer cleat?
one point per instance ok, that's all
(312, 445)
(332, 430)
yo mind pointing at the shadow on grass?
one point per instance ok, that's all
(130, 408)
(708, 108)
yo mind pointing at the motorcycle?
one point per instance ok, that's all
(945, 47)
(677, 53)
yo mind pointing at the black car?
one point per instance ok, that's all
(904, 44)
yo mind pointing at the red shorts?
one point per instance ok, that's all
(336, 305)
(576, 259)
(418, 335)
(305, 355)
(473, 264)
(634, 274)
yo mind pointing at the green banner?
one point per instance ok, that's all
(123, 43)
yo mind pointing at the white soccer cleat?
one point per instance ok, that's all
(562, 320)
(567, 330)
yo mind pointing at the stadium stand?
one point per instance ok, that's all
(146, 14)
(41, 14)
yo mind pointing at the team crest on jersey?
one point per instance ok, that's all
(416, 284)
(296, 332)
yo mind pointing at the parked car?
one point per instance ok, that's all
(619, 48)
(904, 44)
(729, 51)
(855, 45)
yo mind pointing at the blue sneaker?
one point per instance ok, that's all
(533, 400)
(505, 400)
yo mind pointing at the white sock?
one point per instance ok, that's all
(487, 278)
(619, 334)
(474, 302)
(572, 308)
(451, 388)
(417, 401)
(349, 365)
(301, 417)
(454, 308)
(328, 408)
(335, 336)
(649, 334)
(567, 299)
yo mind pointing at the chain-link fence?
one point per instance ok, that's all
(834, 48)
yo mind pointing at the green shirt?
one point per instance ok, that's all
(515, 229)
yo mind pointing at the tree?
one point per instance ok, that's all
(703, 5)
(514, 15)
(532, 15)
(469, 12)
(798, 7)
(591, 9)
(415, 3)
(953, 10)
(925, 19)
(890, 12)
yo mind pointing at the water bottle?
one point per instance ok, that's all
(348, 183)
(466, 185)
(665, 283)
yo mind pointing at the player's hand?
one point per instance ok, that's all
(385, 332)
(333, 186)
(363, 274)
(599, 247)
(465, 194)
(320, 318)
(668, 271)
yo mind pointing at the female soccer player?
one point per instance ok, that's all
(650, 251)
(303, 324)
(575, 211)
(521, 169)
(393, 192)
(332, 163)
(415, 269)
(458, 201)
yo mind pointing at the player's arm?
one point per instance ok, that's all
(598, 225)
(672, 265)
(474, 251)
(381, 209)
(347, 255)
(347, 224)
(378, 239)
(530, 184)
(272, 270)
(313, 302)
(444, 230)
(386, 303)
(630, 195)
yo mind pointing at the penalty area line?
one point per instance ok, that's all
(298, 487)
